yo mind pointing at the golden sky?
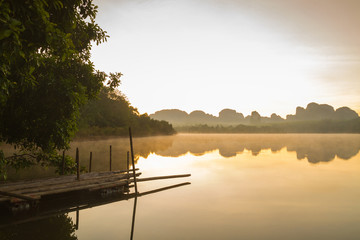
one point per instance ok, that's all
(263, 55)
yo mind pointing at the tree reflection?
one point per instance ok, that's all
(59, 227)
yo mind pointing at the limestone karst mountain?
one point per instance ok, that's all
(313, 112)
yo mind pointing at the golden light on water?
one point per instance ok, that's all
(294, 186)
(243, 186)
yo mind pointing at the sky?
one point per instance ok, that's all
(268, 56)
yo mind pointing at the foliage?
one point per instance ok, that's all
(25, 158)
(46, 75)
(112, 114)
(45, 70)
(57, 227)
(323, 126)
(3, 165)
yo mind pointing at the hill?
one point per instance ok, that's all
(314, 118)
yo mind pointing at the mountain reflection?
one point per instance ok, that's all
(313, 147)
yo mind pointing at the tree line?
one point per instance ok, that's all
(320, 126)
(111, 114)
(48, 83)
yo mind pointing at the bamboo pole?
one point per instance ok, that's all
(110, 158)
(127, 162)
(63, 164)
(72, 206)
(162, 177)
(77, 220)
(77, 164)
(90, 161)
(163, 189)
(132, 160)
(133, 218)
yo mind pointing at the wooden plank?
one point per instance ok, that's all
(20, 196)
(108, 185)
(60, 178)
(71, 185)
(33, 187)
(54, 181)
(121, 182)
(110, 180)
(49, 182)
(83, 183)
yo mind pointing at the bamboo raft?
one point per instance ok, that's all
(49, 195)
(56, 206)
(33, 191)
(30, 192)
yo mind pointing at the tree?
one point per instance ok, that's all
(112, 114)
(45, 70)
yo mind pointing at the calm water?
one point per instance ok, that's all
(243, 186)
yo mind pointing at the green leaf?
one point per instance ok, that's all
(31, 70)
(5, 33)
(22, 54)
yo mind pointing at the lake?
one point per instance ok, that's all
(243, 186)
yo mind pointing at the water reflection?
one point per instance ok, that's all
(133, 219)
(263, 188)
(147, 193)
(314, 148)
(56, 227)
(50, 220)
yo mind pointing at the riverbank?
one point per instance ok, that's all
(165, 129)
(324, 126)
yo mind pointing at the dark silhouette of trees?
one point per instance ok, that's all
(112, 114)
(59, 227)
(323, 126)
(46, 73)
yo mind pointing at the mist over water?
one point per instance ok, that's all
(314, 148)
(246, 186)
(243, 186)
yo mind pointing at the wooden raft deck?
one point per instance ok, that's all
(36, 189)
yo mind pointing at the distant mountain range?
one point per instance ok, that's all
(227, 117)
